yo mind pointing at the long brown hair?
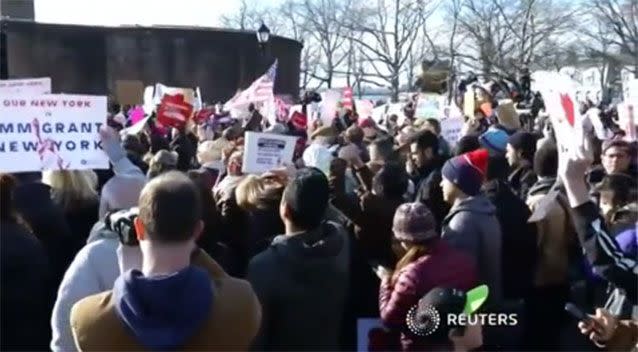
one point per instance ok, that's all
(8, 213)
(414, 252)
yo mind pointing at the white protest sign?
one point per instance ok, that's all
(27, 86)
(266, 151)
(558, 93)
(329, 101)
(364, 108)
(627, 120)
(630, 91)
(428, 106)
(161, 90)
(51, 132)
(451, 129)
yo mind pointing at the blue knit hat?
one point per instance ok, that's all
(494, 140)
(467, 171)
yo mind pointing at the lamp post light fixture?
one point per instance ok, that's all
(263, 34)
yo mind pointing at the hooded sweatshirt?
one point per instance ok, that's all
(197, 308)
(301, 281)
(473, 227)
(162, 312)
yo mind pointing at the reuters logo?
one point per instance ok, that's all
(427, 323)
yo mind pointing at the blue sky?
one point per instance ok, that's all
(143, 12)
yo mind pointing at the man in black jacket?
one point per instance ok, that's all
(424, 169)
(521, 147)
(302, 278)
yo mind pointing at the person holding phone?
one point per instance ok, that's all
(606, 331)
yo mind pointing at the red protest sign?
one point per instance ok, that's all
(204, 114)
(174, 111)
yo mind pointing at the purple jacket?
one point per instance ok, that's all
(444, 266)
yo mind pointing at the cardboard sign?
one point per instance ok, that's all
(51, 132)
(129, 92)
(364, 108)
(451, 129)
(265, 151)
(174, 111)
(627, 120)
(28, 86)
(469, 103)
(329, 101)
(507, 114)
(558, 93)
(428, 106)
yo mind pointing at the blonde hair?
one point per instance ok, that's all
(414, 252)
(209, 151)
(71, 188)
(254, 192)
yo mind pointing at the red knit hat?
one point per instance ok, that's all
(467, 171)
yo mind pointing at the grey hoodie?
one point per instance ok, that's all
(302, 281)
(472, 226)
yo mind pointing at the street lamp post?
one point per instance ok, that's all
(263, 35)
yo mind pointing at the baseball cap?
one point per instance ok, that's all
(429, 316)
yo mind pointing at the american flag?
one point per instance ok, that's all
(282, 109)
(260, 91)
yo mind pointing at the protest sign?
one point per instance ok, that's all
(174, 111)
(428, 106)
(630, 91)
(558, 93)
(451, 129)
(51, 132)
(346, 100)
(329, 101)
(129, 92)
(266, 151)
(507, 115)
(627, 120)
(161, 90)
(469, 103)
(27, 86)
(364, 108)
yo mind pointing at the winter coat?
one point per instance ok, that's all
(624, 218)
(93, 270)
(603, 252)
(556, 235)
(522, 179)
(81, 219)
(473, 227)
(24, 291)
(443, 266)
(197, 308)
(519, 239)
(301, 281)
(33, 202)
(429, 192)
(628, 242)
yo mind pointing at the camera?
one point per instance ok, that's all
(122, 223)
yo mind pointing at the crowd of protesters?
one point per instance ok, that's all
(174, 247)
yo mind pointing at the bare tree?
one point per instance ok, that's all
(387, 34)
(504, 35)
(618, 21)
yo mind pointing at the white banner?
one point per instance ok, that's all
(428, 106)
(51, 132)
(329, 101)
(451, 129)
(27, 86)
(266, 151)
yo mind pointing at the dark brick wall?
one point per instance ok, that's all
(83, 59)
